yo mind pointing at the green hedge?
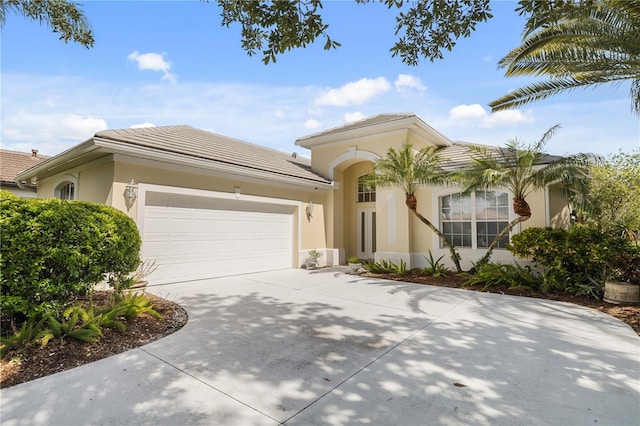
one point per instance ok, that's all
(53, 250)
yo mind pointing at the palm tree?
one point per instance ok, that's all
(522, 169)
(410, 169)
(598, 44)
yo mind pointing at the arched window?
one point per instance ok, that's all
(66, 191)
(366, 189)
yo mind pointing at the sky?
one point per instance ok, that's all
(158, 63)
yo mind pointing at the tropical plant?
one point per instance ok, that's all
(314, 254)
(514, 276)
(522, 169)
(409, 170)
(593, 45)
(575, 260)
(353, 260)
(613, 199)
(434, 266)
(29, 330)
(387, 267)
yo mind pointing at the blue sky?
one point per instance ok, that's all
(166, 63)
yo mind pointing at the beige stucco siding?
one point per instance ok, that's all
(394, 232)
(45, 187)
(95, 183)
(537, 202)
(559, 209)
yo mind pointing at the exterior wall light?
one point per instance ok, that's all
(130, 193)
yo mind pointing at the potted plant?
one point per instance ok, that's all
(354, 264)
(623, 282)
(312, 261)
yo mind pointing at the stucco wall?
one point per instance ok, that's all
(93, 181)
(559, 209)
(94, 184)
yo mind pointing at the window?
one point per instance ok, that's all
(474, 220)
(366, 189)
(455, 211)
(66, 191)
(492, 216)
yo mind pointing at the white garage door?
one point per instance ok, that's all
(199, 237)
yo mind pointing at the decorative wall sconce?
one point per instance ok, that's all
(309, 210)
(130, 193)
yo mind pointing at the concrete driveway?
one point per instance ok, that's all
(318, 347)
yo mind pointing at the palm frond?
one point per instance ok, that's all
(409, 169)
(580, 50)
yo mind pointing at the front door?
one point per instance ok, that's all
(366, 233)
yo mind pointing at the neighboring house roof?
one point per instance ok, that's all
(190, 146)
(14, 162)
(374, 125)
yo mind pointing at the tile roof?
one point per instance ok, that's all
(458, 155)
(14, 162)
(202, 144)
(376, 119)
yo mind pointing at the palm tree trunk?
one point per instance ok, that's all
(411, 203)
(496, 240)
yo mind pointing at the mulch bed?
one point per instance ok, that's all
(32, 362)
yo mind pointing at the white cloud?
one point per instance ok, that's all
(354, 93)
(406, 82)
(509, 117)
(477, 113)
(312, 124)
(142, 125)
(467, 112)
(353, 116)
(154, 62)
(49, 133)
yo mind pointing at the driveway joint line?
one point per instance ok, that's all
(208, 385)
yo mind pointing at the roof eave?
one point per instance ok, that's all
(411, 123)
(49, 165)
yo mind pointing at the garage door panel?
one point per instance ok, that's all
(197, 237)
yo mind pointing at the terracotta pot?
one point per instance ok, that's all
(620, 292)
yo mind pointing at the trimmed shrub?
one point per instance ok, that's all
(53, 250)
(575, 261)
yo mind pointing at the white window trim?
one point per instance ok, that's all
(474, 236)
(62, 181)
(374, 192)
